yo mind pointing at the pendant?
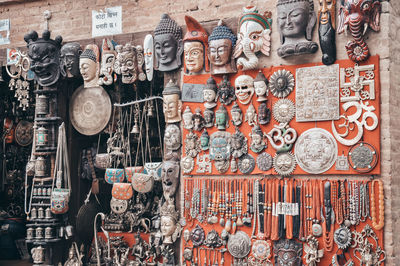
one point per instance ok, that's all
(264, 161)
(239, 245)
(246, 164)
(284, 163)
(283, 110)
(363, 157)
(342, 237)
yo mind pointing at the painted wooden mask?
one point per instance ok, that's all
(126, 63)
(148, 50)
(89, 65)
(108, 56)
(172, 104)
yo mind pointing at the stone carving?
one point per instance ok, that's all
(168, 44)
(257, 140)
(126, 63)
(170, 178)
(264, 114)
(237, 115)
(296, 21)
(281, 83)
(44, 54)
(221, 118)
(284, 163)
(192, 144)
(170, 226)
(172, 105)
(148, 52)
(226, 92)
(253, 36)
(220, 150)
(326, 30)
(317, 93)
(251, 115)
(70, 53)
(283, 110)
(172, 137)
(195, 45)
(210, 93)
(244, 88)
(356, 16)
(187, 164)
(221, 43)
(108, 56)
(287, 252)
(261, 87)
(316, 150)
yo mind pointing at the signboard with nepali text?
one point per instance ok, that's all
(107, 22)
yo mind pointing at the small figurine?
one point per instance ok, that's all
(261, 87)
(168, 44)
(244, 88)
(172, 104)
(221, 118)
(195, 48)
(226, 92)
(210, 93)
(253, 36)
(237, 115)
(257, 140)
(296, 21)
(251, 116)
(221, 43)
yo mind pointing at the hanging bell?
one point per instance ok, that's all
(135, 129)
(150, 111)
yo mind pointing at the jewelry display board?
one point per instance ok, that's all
(358, 100)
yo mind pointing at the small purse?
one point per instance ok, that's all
(102, 161)
(142, 183)
(114, 175)
(130, 171)
(60, 196)
(153, 169)
(122, 191)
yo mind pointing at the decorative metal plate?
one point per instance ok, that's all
(246, 164)
(264, 161)
(24, 133)
(316, 150)
(355, 88)
(281, 83)
(342, 163)
(342, 237)
(239, 245)
(317, 93)
(283, 110)
(197, 236)
(90, 110)
(261, 250)
(284, 163)
(363, 157)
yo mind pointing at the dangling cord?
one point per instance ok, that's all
(139, 141)
(148, 149)
(128, 133)
(27, 212)
(159, 132)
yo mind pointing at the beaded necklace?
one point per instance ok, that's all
(274, 224)
(326, 231)
(377, 226)
(269, 209)
(289, 210)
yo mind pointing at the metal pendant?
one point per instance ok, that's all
(342, 237)
(264, 161)
(239, 245)
(284, 163)
(246, 164)
(197, 236)
(187, 164)
(283, 110)
(342, 163)
(363, 157)
(281, 83)
(261, 250)
(316, 150)
(287, 252)
(213, 240)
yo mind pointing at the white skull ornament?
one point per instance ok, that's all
(244, 88)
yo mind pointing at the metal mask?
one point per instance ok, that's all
(226, 93)
(220, 149)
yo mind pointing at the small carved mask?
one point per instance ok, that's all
(261, 87)
(204, 140)
(244, 88)
(44, 54)
(172, 137)
(220, 146)
(168, 226)
(170, 178)
(107, 63)
(239, 144)
(237, 115)
(210, 93)
(70, 53)
(226, 92)
(148, 48)
(264, 114)
(126, 63)
(89, 65)
(221, 118)
(192, 145)
(198, 120)
(187, 117)
(172, 104)
(208, 118)
(168, 44)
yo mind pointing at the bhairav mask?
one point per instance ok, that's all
(70, 53)
(172, 104)
(253, 36)
(89, 65)
(195, 47)
(148, 51)
(356, 16)
(296, 20)
(126, 63)
(108, 56)
(168, 44)
(170, 178)
(210, 93)
(244, 88)
(221, 43)
(220, 150)
(170, 228)
(44, 54)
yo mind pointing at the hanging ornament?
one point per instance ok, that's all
(281, 83)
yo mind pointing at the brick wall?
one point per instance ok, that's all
(73, 22)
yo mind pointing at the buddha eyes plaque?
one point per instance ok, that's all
(317, 93)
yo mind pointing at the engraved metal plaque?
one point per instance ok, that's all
(90, 110)
(317, 93)
(192, 93)
(316, 150)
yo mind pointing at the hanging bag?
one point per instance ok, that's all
(60, 196)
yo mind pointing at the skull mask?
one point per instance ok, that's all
(244, 88)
